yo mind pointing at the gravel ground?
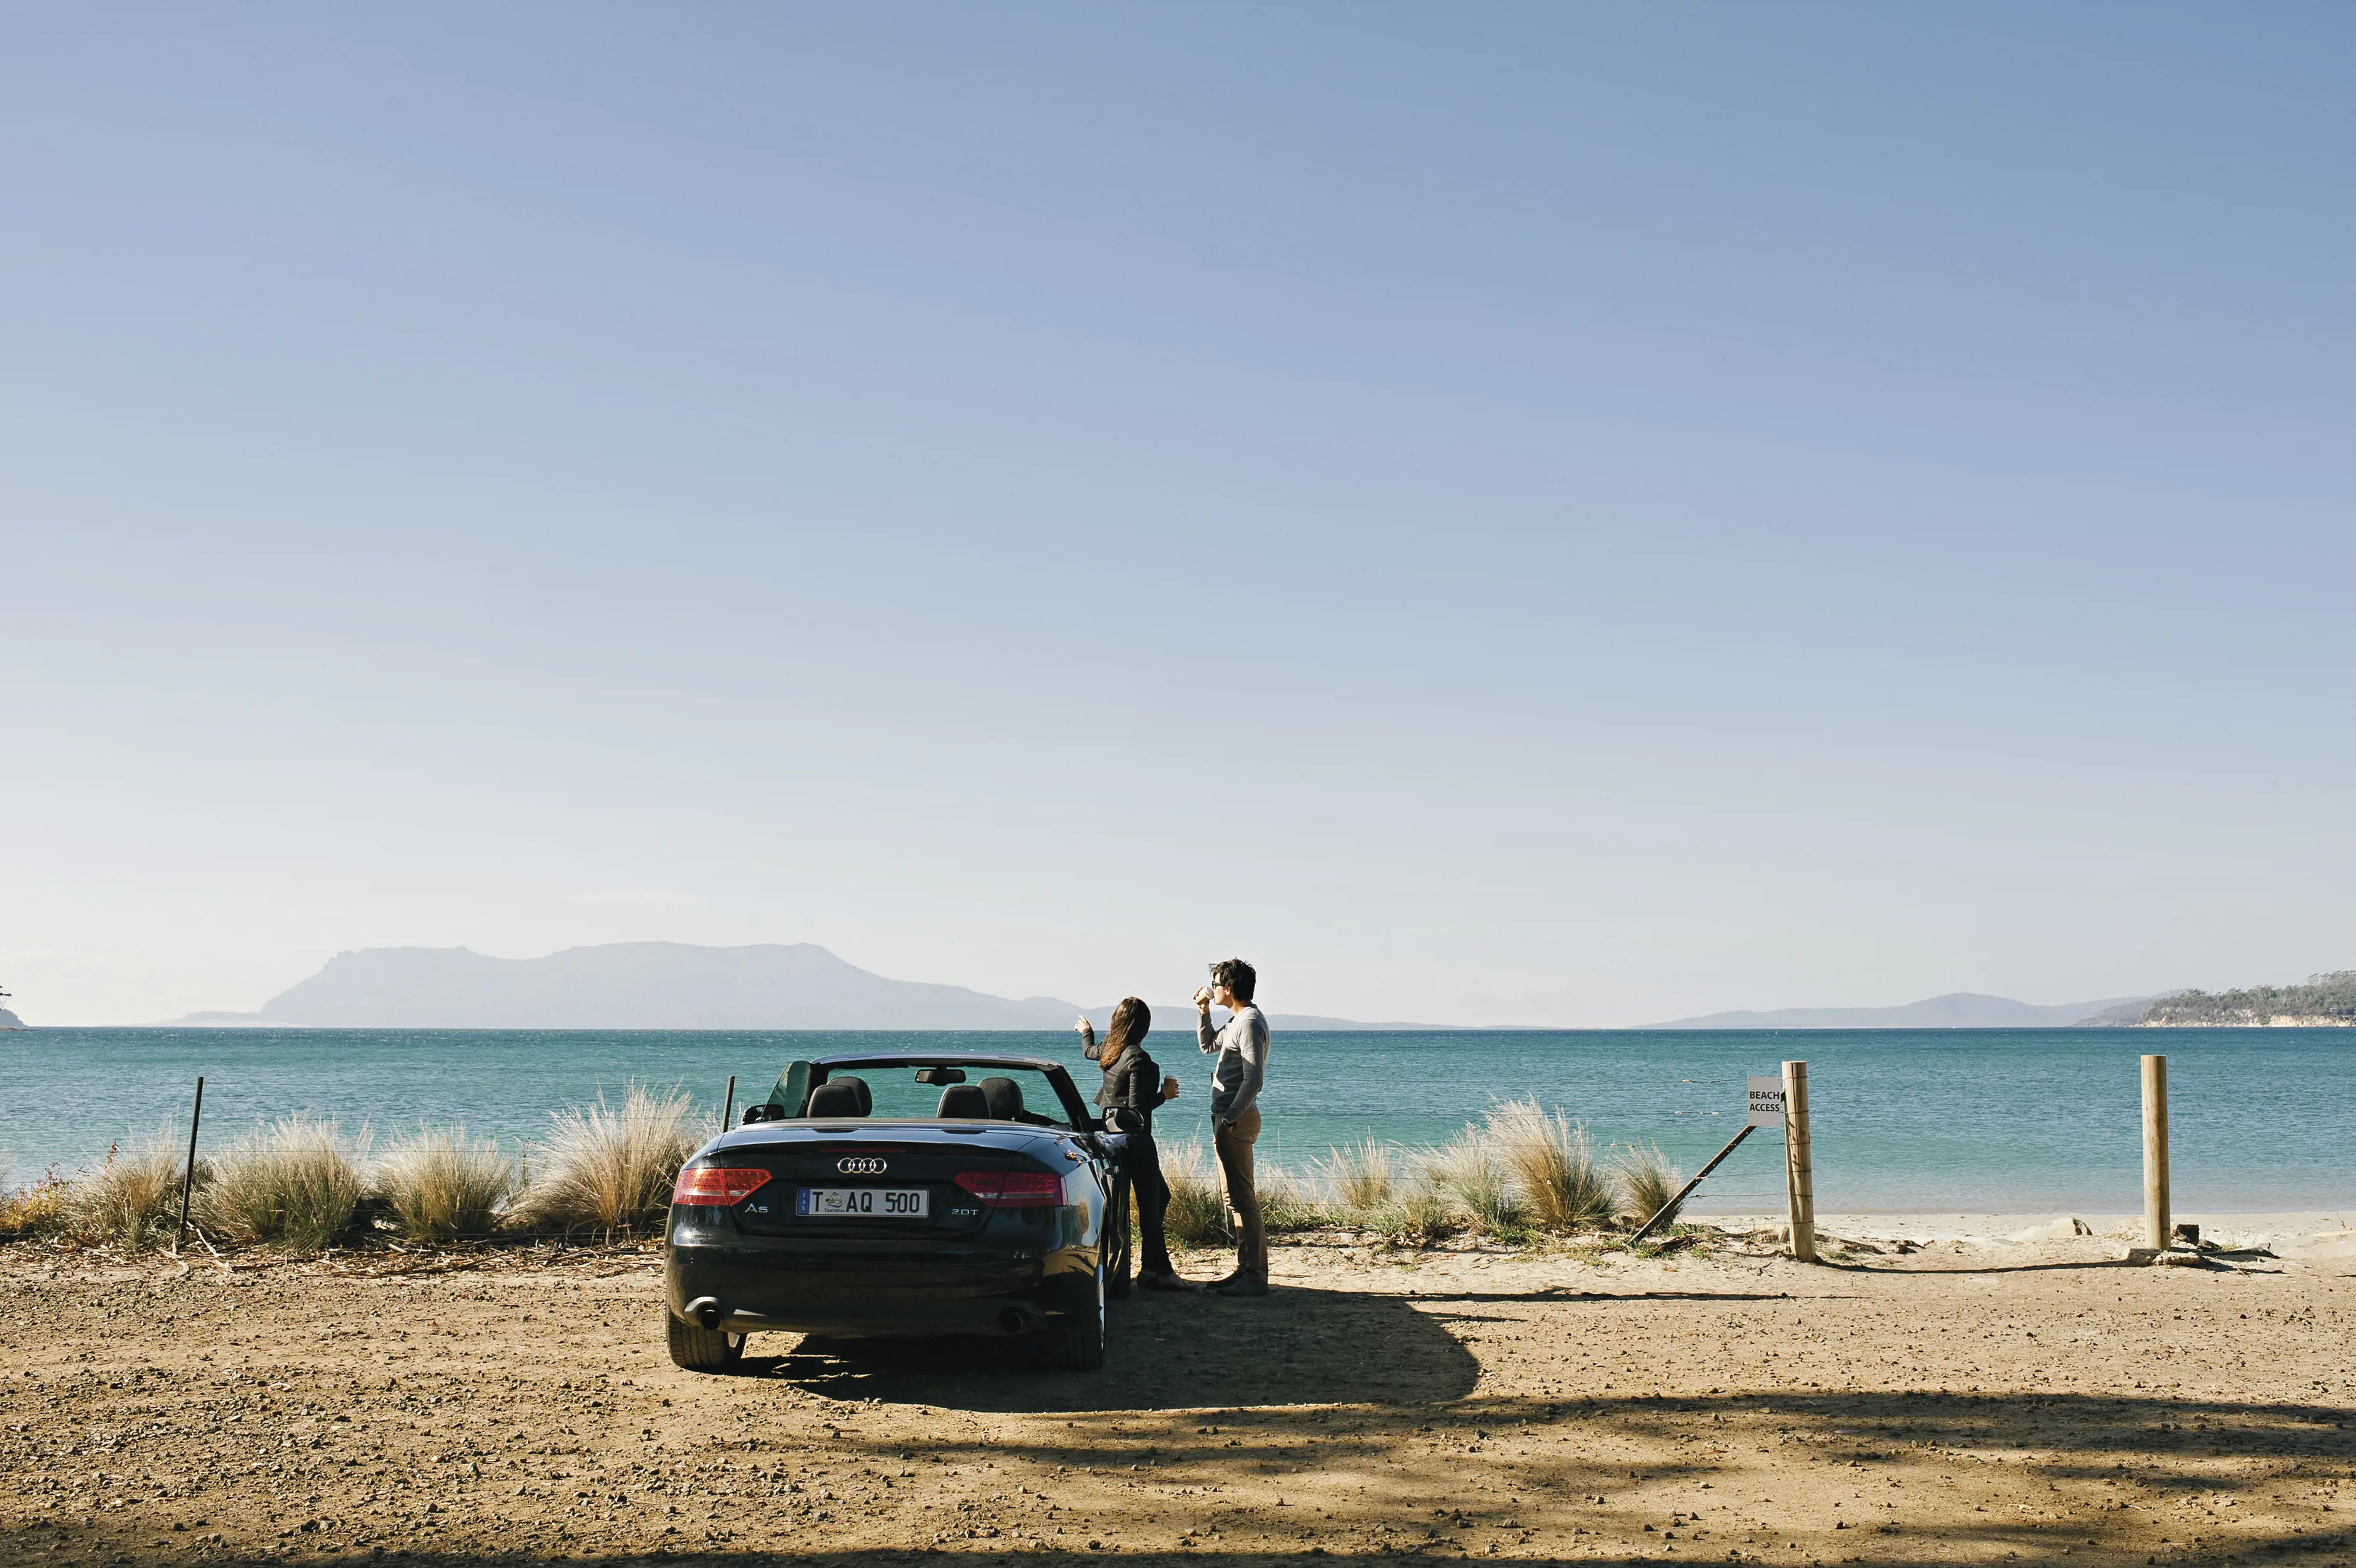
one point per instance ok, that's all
(1964, 1400)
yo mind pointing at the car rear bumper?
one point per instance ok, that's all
(1013, 1316)
(757, 1284)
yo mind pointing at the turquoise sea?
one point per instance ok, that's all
(2031, 1120)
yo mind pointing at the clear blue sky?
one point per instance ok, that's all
(1531, 514)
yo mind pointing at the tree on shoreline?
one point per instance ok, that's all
(2328, 996)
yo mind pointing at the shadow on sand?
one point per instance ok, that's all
(1166, 1353)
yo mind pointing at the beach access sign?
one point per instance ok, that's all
(1766, 1101)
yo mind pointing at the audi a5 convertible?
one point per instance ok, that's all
(882, 1195)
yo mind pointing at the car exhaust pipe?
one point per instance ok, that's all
(705, 1310)
(1020, 1318)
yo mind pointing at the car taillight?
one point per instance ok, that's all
(1014, 1189)
(716, 1187)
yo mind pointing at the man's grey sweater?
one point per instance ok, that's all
(1242, 1066)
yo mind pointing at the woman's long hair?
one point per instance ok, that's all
(1131, 1020)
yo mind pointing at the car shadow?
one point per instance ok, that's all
(1164, 1352)
(1570, 1294)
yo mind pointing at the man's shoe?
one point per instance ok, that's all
(1245, 1286)
(1168, 1282)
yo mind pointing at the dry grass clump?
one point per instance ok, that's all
(1197, 1216)
(134, 1197)
(293, 1184)
(608, 1170)
(1417, 1214)
(38, 1209)
(1650, 1181)
(1361, 1177)
(441, 1184)
(1470, 1170)
(1553, 1166)
(1285, 1203)
(1399, 1195)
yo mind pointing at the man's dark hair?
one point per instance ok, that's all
(1237, 975)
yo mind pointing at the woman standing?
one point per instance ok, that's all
(1133, 1082)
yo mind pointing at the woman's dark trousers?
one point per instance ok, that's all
(1152, 1203)
(1137, 1166)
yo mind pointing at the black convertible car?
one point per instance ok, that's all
(883, 1194)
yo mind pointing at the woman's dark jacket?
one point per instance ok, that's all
(1131, 1084)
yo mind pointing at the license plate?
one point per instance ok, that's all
(863, 1202)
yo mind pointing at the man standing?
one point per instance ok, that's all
(1236, 1079)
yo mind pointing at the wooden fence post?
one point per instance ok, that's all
(2158, 1230)
(1799, 1169)
(728, 1110)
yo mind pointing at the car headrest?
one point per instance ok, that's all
(1005, 1097)
(842, 1097)
(965, 1102)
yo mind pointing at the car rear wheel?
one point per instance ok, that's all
(701, 1349)
(1077, 1345)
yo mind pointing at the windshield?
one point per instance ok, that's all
(981, 1092)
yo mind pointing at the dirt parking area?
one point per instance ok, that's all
(1958, 1402)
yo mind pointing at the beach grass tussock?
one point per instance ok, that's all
(443, 1184)
(1470, 1171)
(1649, 1180)
(1197, 1216)
(1553, 1166)
(37, 1209)
(1361, 1175)
(1416, 1215)
(1286, 1203)
(609, 1169)
(295, 1183)
(134, 1197)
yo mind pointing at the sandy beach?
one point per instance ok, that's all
(1930, 1393)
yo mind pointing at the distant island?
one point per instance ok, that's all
(658, 985)
(2326, 1001)
(1957, 1010)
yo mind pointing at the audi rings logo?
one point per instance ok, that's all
(860, 1165)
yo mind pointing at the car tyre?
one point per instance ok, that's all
(1079, 1345)
(701, 1349)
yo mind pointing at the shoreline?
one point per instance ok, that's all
(2264, 1123)
(2000, 1225)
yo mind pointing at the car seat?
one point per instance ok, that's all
(964, 1103)
(845, 1097)
(1005, 1097)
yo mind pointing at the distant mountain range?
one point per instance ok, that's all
(659, 984)
(1957, 1010)
(671, 984)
